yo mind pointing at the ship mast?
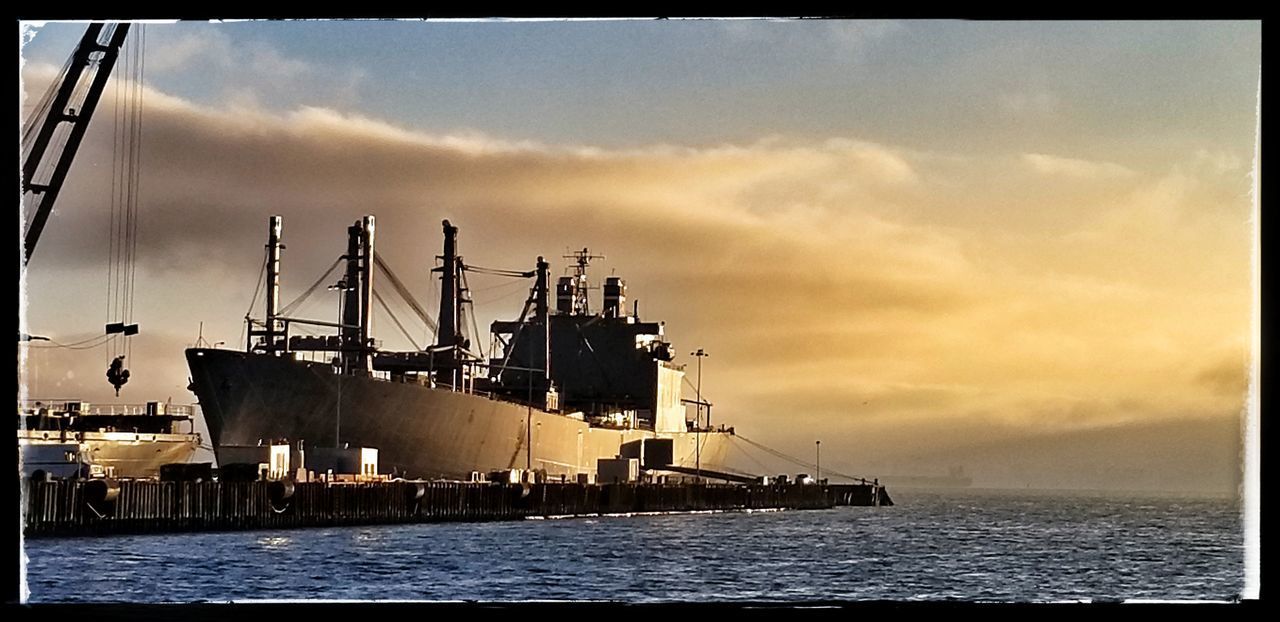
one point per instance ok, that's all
(273, 280)
(571, 291)
(357, 295)
(364, 360)
(542, 315)
(449, 337)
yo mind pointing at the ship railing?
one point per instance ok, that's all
(87, 408)
(466, 384)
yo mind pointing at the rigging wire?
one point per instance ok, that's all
(126, 177)
(723, 468)
(436, 296)
(501, 272)
(514, 338)
(253, 301)
(257, 289)
(122, 226)
(777, 453)
(117, 130)
(403, 311)
(119, 196)
(793, 459)
(117, 141)
(135, 185)
(475, 338)
(404, 292)
(292, 306)
(763, 468)
(503, 285)
(85, 344)
(395, 320)
(690, 383)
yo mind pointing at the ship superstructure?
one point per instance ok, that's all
(71, 438)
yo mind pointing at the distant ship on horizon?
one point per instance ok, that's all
(955, 478)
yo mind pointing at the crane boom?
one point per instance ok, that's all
(73, 105)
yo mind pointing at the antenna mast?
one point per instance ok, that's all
(580, 284)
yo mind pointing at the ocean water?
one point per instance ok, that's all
(934, 545)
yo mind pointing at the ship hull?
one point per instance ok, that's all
(128, 454)
(419, 431)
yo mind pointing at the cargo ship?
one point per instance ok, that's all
(71, 438)
(561, 387)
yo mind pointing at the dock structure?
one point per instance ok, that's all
(100, 507)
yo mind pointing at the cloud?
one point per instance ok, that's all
(249, 73)
(1225, 376)
(1220, 162)
(179, 51)
(847, 39)
(856, 37)
(822, 275)
(1037, 103)
(1070, 167)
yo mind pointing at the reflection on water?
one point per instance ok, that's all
(368, 537)
(275, 543)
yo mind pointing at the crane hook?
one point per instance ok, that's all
(117, 375)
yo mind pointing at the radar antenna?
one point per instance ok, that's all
(581, 259)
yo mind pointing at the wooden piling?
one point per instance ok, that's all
(60, 507)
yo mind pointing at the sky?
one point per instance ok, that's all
(1020, 248)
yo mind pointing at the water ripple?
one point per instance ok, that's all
(963, 545)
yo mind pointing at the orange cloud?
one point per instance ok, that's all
(824, 277)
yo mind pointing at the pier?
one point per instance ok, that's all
(101, 507)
